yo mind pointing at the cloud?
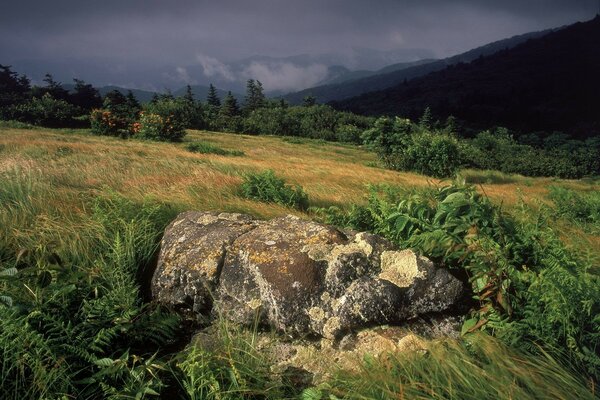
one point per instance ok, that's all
(285, 76)
(215, 68)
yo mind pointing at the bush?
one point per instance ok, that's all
(47, 111)
(107, 123)
(163, 120)
(207, 148)
(581, 208)
(527, 285)
(266, 186)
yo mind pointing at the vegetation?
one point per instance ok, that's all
(519, 270)
(435, 149)
(207, 148)
(80, 220)
(266, 186)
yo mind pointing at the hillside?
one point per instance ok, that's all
(549, 83)
(397, 73)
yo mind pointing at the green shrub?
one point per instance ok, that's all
(579, 207)
(207, 148)
(163, 120)
(76, 325)
(47, 111)
(528, 286)
(232, 368)
(107, 123)
(266, 186)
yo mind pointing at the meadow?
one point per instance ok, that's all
(73, 199)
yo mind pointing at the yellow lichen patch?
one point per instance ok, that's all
(400, 267)
(316, 314)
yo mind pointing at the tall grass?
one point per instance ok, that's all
(76, 310)
(477, 368)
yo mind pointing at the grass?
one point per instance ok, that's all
(207, 148)
(51, 180)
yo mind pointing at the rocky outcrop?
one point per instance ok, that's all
(299, 277)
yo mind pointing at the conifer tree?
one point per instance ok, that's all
(230, 106)
(255, 97)
(213, 98)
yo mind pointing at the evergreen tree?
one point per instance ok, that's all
(154, 98)
(132, 101)
(309, 101)
(255, 97)
(14, 89)
(85, 96)
(189, 95)
(192, 110)
(426, 121)
(213, 98)
(230, 106)
(55, 89)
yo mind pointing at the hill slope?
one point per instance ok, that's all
(549, 83)
(398, 73)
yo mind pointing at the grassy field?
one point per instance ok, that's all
(78, 164)
(49, 180)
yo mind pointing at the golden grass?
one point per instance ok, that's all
(76, 162)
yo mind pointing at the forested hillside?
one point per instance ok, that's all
(549, 83)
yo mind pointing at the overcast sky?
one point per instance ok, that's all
(179, 32)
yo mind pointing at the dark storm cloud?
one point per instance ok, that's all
(185, 32)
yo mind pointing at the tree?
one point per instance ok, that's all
(55, 89)
(14, 89)
(85, 96)
(193, 115)
(309, 101)
(255, 97)
(213, 98)
(426, 121)
(133, 104)
(230, 106)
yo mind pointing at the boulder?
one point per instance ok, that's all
(191, 256)
(299, 277)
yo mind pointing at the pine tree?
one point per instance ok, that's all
(255, 97)
(213, 98)
(230, 106)
(309, 101)
(189, 95)
(55, 89)
(426, 121)
(133, 104)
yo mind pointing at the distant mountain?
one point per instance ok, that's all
(547, 83)
(398, 73)
(279, 74)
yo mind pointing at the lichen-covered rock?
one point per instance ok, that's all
(267, 267)
(298, 277)
(191, 257)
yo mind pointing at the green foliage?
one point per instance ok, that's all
(403, 146)
(266, 186)
(582, 208)
(255, 97)
(498, 150)
(163, 120)
(108, 123)
(47, 111)
(316, 122)
(77, 312)
(231, 368)
(208, 148)
(528, 286)
(476, 368)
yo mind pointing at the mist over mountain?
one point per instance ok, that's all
(546, 83)
(356, 83)
(278, 74)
